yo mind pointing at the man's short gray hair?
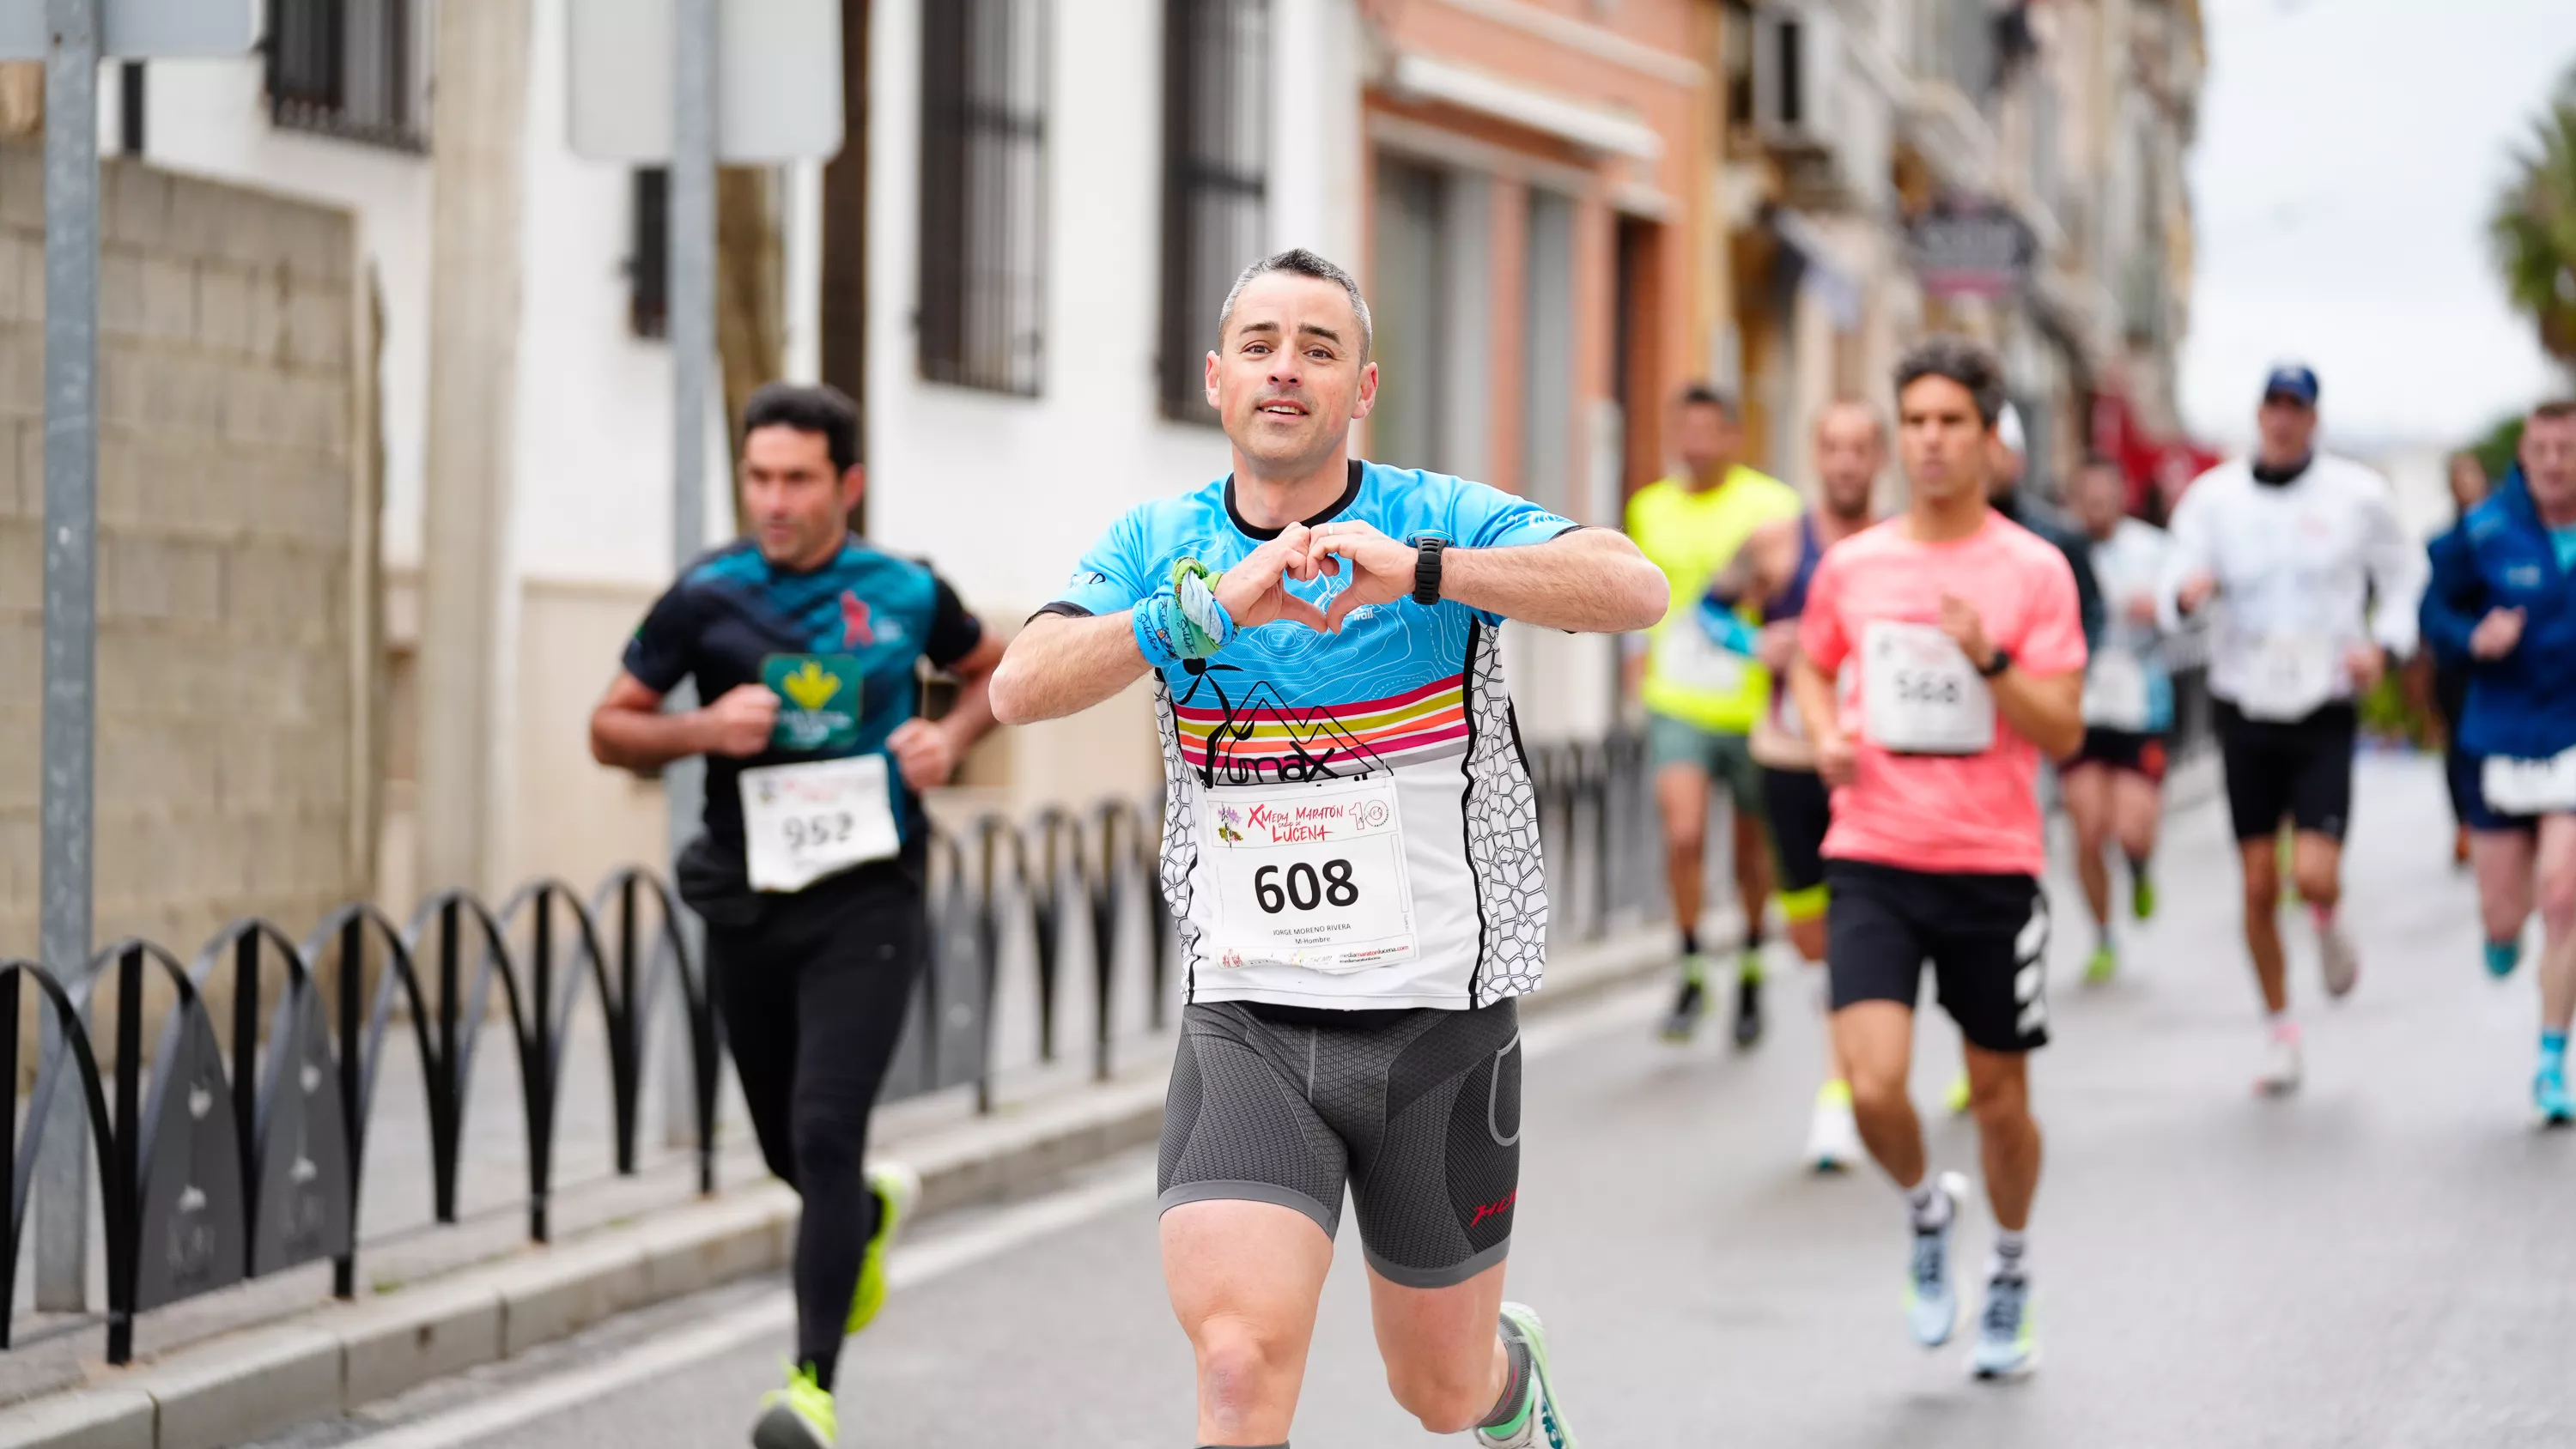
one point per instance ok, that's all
(1297, 261)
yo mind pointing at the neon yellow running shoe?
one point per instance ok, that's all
(1956, 1099)
(2101, 966)
(896, 1188)
(799, 1416)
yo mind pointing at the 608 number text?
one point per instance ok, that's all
(1301, 887)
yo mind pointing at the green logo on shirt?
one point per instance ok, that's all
(818, 697)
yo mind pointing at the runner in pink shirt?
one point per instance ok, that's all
(1963, 646)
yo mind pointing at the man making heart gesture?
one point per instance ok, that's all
(1350, 848)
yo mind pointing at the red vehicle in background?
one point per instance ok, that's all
(2158, 469)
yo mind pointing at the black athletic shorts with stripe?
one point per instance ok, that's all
(1985, 937)
(1417, 1112)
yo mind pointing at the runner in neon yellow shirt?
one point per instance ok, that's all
(1703, 694)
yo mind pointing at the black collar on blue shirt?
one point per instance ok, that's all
(1350, 491)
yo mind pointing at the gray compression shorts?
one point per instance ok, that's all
(1418, 1112)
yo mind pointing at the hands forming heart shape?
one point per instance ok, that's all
(1380, 571)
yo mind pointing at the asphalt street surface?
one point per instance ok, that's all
(2387, 1259)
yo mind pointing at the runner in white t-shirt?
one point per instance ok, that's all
(2114, 787)
(2288, 551)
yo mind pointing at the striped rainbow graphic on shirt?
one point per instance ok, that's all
(1255, 735)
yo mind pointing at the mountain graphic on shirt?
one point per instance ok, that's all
(1262, 738)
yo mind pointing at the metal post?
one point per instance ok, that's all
(71, 609)
(693, 347)
(693, 266)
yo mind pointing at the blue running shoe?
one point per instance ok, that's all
(1931, 1303)
(2549, 1094)
(2502, 957)
(2006, 1347)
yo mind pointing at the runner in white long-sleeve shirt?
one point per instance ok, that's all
(2313, 584)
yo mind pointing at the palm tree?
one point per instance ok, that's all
(2533, 226)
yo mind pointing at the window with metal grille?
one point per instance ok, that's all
(348, 68)
(1409, 271)
(1216, 149)
(1736, 51)
(983, 193)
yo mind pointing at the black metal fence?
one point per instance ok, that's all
(237, 1145)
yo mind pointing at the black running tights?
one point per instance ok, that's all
(813, 999)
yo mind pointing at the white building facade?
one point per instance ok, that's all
(999, 480)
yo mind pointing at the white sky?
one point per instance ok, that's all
(2348, 153)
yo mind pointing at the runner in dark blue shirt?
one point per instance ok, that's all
(806, 643)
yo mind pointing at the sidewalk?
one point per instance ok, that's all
(434, 1301)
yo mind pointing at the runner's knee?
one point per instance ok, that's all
(829, 1144)
(1447, 1398)
(2557, 899)
(2317, 881)
(1243, 1368)
(1877, 1091)
(1998, 1098)
(2262, 881)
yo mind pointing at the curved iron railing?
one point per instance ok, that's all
(225, 1155)
(234, 1154)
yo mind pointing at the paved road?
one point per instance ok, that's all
(2390, 1259)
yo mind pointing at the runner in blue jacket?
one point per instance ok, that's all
(2503, 597)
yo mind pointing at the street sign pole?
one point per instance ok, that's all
(750, 82)
(692, 194)
(71, 605)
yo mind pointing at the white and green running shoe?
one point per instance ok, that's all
(1931, 1302)
(2006, 1347)
(799, 1416)
(1543, 1425)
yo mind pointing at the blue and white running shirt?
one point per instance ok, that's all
(1348, 819)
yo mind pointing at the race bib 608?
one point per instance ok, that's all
(1309, 875)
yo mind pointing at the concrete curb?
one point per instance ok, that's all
(337, 1357)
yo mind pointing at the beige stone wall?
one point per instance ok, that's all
(568, 815)
(234, 562)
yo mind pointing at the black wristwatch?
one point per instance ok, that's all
(1997, 665)
(1426, 570)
